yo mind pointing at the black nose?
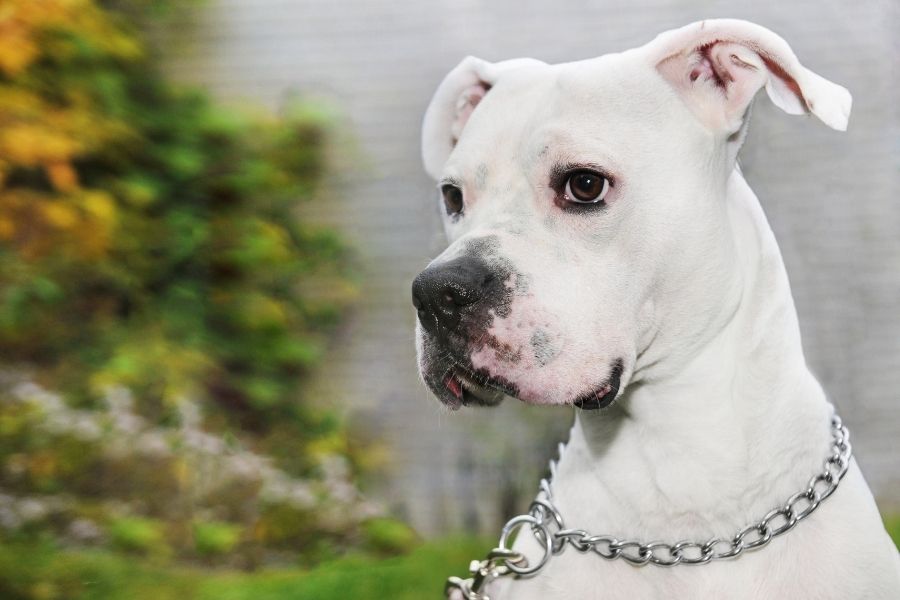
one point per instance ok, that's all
(441, 292)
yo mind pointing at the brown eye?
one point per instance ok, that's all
(453, 199)
(586, 187)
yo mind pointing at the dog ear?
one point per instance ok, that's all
(453, 103)
(718, 66)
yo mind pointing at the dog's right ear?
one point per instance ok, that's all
(452, 105)
(718, 65)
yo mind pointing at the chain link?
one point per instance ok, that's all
(548, 528)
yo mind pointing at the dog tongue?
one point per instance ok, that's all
(453, 384)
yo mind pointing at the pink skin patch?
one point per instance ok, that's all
(466, 103)
(507, 351)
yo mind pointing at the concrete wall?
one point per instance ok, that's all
(832, 199)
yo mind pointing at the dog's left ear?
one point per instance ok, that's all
(718, 66)
(453, 103)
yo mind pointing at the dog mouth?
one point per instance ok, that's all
(466, 387)
(606, 393)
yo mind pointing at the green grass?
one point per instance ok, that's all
(418, 575)
(35, 571)
(40, 572)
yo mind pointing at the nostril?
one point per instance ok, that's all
(456, 296)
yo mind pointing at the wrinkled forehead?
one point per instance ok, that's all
(569, 111)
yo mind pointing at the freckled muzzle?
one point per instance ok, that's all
(484, 337)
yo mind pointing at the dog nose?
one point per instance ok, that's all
(441, 292)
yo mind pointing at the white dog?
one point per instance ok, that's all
(607, 253)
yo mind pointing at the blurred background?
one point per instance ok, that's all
(210, 215)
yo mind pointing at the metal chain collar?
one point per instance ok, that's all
(549, 529)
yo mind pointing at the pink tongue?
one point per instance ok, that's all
(453, 384)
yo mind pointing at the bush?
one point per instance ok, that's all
(389, 536)
(135, 534)
(148, 239)
(111, 478)
(215, 538)
(155, 276)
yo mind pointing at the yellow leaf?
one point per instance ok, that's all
(100, 205)
(30, 145)
(59, 215)
(17, 48)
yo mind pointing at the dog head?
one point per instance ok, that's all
(585, 208)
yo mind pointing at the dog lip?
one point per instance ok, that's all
(458, 382)
(453, 384)
(606, 393)
(483, 380)
(461, 386)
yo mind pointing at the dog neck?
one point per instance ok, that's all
(711, 445)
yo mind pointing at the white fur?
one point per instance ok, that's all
(719, 419)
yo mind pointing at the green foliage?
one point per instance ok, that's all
(141, 535)
(215, 538)
(149, 239)
(40, 571)
(154, 272)
(420, 574)
(389, 536)
(48, 573)
(112, 478)
(286, 525)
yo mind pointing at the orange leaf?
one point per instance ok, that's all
(62, 176)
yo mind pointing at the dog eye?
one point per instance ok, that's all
(453, 198)
(586, 187)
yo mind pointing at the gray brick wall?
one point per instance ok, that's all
(831, 198)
